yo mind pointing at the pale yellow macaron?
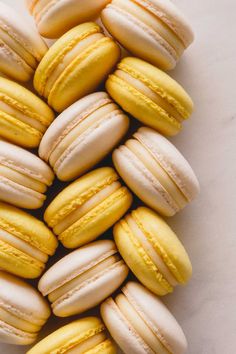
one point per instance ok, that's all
(24, 117)
(152, 251)
(88, 207)
(23, 311)
(150, 95)
(86, 132)
(25, 242)
(75, 65)
(24, 177)
(22, 48)
(54, 18)
(86, 335)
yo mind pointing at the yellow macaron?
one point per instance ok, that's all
(24, 117)
(75, 65)
(25, 242)
(152, 251)
(88, 207)
(150, 95)
(86, 335)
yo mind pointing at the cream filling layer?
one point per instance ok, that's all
(148, 247)
(21, 179)
(17, 322)
(135, 9)
(88, 344)
(93, 119)
(6, 108)
(82, 278)
(23, 246)
(139, 325)
(68, 59)
(86, 207)
(40, 6)
(18, 48)
(157, 171)
(141, 87)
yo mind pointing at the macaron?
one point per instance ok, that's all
(152, 251)
(25, 242)
(86, 335)
(153, 30)
(88, 207)
(150, 95)
(54, 18)
(23, 311)
(86, 132)
(23, 116)
(75, 65)
(22, 48)
(24, 177)
(156, 172)
(83, 278)
(140, 323)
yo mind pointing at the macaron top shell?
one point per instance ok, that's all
(87, 130)
(24, 117)
(83, 55)
(85, 335)
(21, 44)
(54, 18)
(150, 95)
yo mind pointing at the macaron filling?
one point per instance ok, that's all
(23, 246)
(16, 322)
(143, 329)
(88, 344)
(92, 273)
(94, 201)
(136, 81)
(151, 251)
(74, 51)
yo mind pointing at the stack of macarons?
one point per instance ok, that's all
(82, 126)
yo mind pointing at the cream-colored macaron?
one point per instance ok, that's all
(140, 323)
(153, 30)
(21, 47)
(54, 18)
(86, 335)
(24, 177)
(83, 278)
(23, 311)
(86, 132)
(156, 172)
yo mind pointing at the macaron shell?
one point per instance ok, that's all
(106, 347)
(151, 46)
(11, 335)
(127, 338)
(69, 13)
(92, 292)
(157, 316)
(68, 336)
(139, 261)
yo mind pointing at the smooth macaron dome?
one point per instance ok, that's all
(156, 172)
(152, 251)
(83, 278)
(22, 48)
(83, 55)
(154, 30)
(86, 335)
(140, 323)
(54, 18)
(25, 242)
(88, 207)
(24, 177)
(150, 95)
(86, 132)
(23, 311)
(24, 117)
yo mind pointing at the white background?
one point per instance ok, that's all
(206, 308)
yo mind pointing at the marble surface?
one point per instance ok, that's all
(205, 308)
